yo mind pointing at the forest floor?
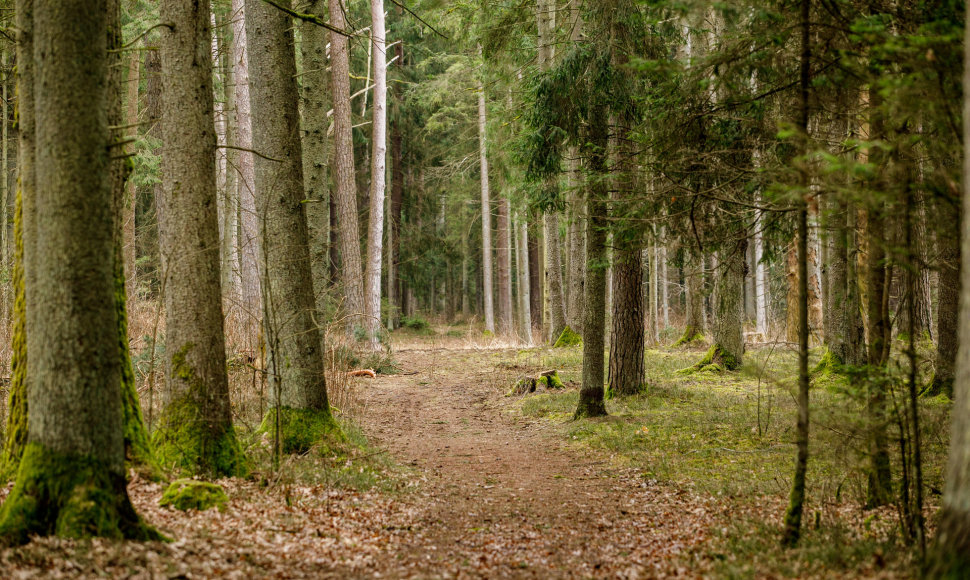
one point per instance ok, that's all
(460, 479)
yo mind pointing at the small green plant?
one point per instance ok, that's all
(414, 323)
(568, 338)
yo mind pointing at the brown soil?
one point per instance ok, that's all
(506, 497)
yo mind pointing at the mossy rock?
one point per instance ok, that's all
(189, 494)
(301, 429)
(568, 338)
(716, 360)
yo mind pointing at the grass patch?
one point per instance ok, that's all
(731, 435)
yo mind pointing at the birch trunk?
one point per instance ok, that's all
(486, 212)
(375, 236)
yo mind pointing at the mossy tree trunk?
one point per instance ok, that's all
(292, 336)
(71, 480)
(138, 451)
(727, 331)
(195, 433)
(694, 275)
(15, 435)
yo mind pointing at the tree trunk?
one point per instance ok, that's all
(503, 262)
(195, 433)
(128, 219)
(71, 480)
(626, 370)
(535, 279)
(375, 236)
(397, 198)
(486, 212)
(947, 326)
(522, 258)
(576, 246)
(952, 551)
(292, 337)
(591, 403)
(15, 435)
(727, 332)
(316, 154)
(344, 179)
(694, 274)
(760, 279)
(249, 226)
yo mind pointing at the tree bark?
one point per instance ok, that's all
(504, 266)
(249, 230)
(375, 236)
(694, 277)
(952, 550)
(591, 402)
(535, 279)
(195, 433)
(292, 336)
(316, 154)
(576, 246)
(626, 370)
(727, 332)
(345, 190)
(128, 221)
(522, 258)
(71, 480)
(486, 212)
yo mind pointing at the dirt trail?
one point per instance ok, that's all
(502, 497)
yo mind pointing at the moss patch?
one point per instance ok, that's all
(715, 360)
(568, 338)
(691, 335)
(829, 365)
(69, 496)
(301, 429)
(189, 494)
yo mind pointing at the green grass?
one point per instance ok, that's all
(731, 435)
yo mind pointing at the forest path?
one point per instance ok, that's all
(503, 496)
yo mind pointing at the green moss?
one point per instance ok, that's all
(551, 381)
(939, 386)
(716, 360)
(829, 365)
(301, 429)
(690, 335)
(189, 494)
(186, 441)
(15, 437)
(568, 338)
(69, 496)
